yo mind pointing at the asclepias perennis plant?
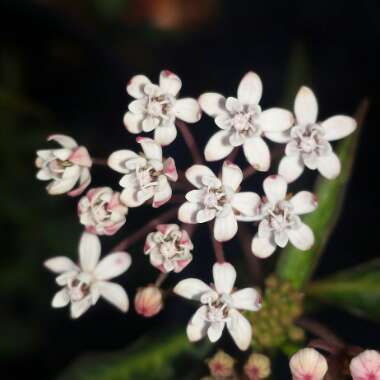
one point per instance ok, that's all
(264, 316)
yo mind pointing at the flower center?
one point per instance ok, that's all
(79, 286)
(57, 167)
(309, 139)
(217, 307)
(280, 216)
(168, 249)
(159, 106)
(244, 122)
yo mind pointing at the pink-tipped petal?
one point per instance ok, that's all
(170, 83)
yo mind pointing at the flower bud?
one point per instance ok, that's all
(148, 301)
(257, 367)
(308, 364)
(366, 366)
(221, 365)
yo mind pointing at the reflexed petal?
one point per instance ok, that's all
(215, 331)
(304, 202)
(337, 127)
(257, 153)
(231, 175)
(89, 251)
(262, 247)
(44, 175)
(60, 264)
(246, 299)
(187, 213)
(170, 82)
(170, 169)
(81, 157)
(250, 89)
(84, 181)
(247, 203)
(212, 103)
(112, 265)
(275, 120)
(197, 327)
(224, 277)
(275, 188)
(225, 227)
(78, 308)
(188, 110)
(114, 294)
(135, 87)
(191, 288)
(66, 141)
(278, 137)
(163, 192)
(152, 150)
(62, 186)
(291, 167)
(302, 237)
(133, 122)
(306, 106)
(196, 172)
(329, 166)
(117, 160)
(240, 329)
(61, 298)
(205, 215)
(165, 135)
(218, 146)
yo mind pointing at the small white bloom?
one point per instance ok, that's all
(308, 143)
(218, 199)
(84, 283)
(147, 174)
(64, 167)
(243, 123)
(156, 107)
(279, 218)
(169, 248)
(101, 211)
(366, 366)
(220, 305)
(308, 364)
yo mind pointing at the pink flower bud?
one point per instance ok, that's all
(366, 366)
(221, 365)
(308, 364)
(148, 301)
(257, 367)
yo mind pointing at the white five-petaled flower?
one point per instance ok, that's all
(243, 123)
(366, 366)
(169, 248)
(218, 199)
(146, 175)
(156, 107)
(308, 364)
(220, 305)
(279, 218)
(101, 211)
(308, 143)
(64, 167)
(84, 283)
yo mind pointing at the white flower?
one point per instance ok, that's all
(366, 366)
(308, 142)
(156, 107)
(169, 248)
(84, 283)
(243, 123)
(219, 199)
(64, 167)
(279, 218)
(101, 211)
(147, 175)
(308, 364)
(220, 306)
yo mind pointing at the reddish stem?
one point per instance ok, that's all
(160, 279)
(218, 246)
(190, 142)
(99, 161)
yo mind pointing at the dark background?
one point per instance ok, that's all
(64, 66)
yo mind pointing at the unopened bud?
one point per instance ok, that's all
(309, 364)
(221, 365)
(148, 301)
(366, 366)
(257, 367)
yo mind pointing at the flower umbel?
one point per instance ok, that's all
(84, 283)
(220, 305)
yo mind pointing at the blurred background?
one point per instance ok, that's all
(64, 66)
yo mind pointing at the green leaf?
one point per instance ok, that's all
(355, 290)
(295, 265)
(159, 358)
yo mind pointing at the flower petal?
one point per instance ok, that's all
(150, 123)
(278, 137)
(231, 175)
(205, 215)
(196, 172)
(329, 166)
(240, 329)
(188, 110)
(135, 87)
(247, 203)
(250, 89)
(78, 308)
(302, 237)
(165, 135)
(152, 150)
(66, 141)
(197, 327)
(215, 331)
(291, 167)
(306, 106)
(61, 299)
(304, 202)
(275, 188)
(129, 196)
(212, 103)
(113, 265)
(337, 127)
(133, 122)
(246, 299)
(191, 288)
(64, 185)
(225, 227)
(275, 120)
(89, 251)
(60, 264)
(170, 169)
(117, 160)
(262, 247)
(187, 213)
(257, 153)
(163, 192)
(114, 294)
(218, 146)
(170, 82)
(224, 277)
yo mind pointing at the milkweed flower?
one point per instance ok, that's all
(308, 364)
(156, 107)
(84, 283)
(308, 143)
(279, 218)
(217, 199)
(169, 248)
(366, 366)
(146, 175)
(243, 123)
(148, 301)
(220, 305)
(65, 167)
(101, 211)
